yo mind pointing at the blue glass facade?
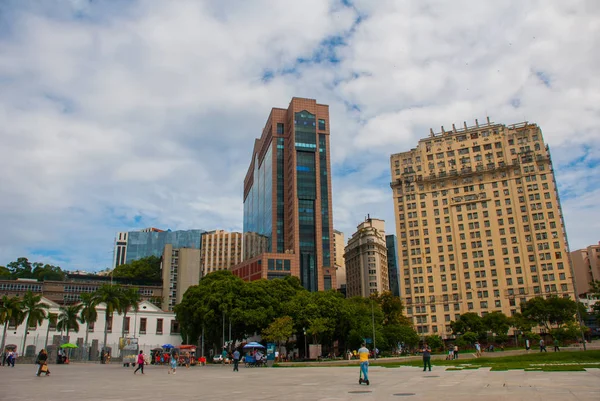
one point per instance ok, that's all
(393, 268)
(280, 197)
(258, 205)
(306, 189)
(143, 244)
(324, 201)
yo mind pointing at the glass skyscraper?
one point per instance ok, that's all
(287, 194)
(135, 245)
(392, 256)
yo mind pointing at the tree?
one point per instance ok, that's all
(52, 321)
(130, 299)
(549, 311)
(470, 337)
(496, 322)
(279, 331)
(468, 322)
(400, 334)
(21, 268)
(520, 322)
(392, 308)
(111, 296)
(435, 342)
(68, 318)
(10, 309)
(89, 314)
(147, 268)
(47, 272)
(34, 311)
(4, 273)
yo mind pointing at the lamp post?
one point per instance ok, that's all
(305, 344)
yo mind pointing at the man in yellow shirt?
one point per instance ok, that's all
(363, 354)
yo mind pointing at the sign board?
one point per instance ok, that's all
(368, 341)
(130, 344)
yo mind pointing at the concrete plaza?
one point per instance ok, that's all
(91, 382)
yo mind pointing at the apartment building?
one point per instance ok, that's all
(366, 260)
(479, 223)
(586, 265)
(338, 259)
(181, 268)
(221, 250)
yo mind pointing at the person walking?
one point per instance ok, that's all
(140, 362)
(363, 355)
(11, 357)
(543, 346)
(173, 363)
(477, 349)
(556, 347)
(450, 353)
(42, 363)
(236, 360)
(426, 357)
(455, 355)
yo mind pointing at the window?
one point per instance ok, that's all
(109, 325)
(159, 326)
(143, 323)
(321, 125)
(174, 327)
(126, 325)
(280, 128)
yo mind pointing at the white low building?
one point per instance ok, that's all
(152, 326)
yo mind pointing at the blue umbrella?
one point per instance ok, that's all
(168, 346)
(254, 345)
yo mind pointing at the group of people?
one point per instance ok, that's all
(9, 357)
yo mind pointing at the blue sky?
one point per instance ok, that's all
(119, 115)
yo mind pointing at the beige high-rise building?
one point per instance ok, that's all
(338, 258)
(366, 260)
(180, 270)
(479, 223)
(221, 250)
(586, 265)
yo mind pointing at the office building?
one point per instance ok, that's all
(392, 257)
(366, 260)
(287, 197)
(221, 250)
(586, 265)
(181, 268)
(338, 259)
(135, 245)
(479, 223)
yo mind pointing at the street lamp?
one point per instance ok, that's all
(305, 344)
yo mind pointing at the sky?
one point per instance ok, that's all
(120, 115)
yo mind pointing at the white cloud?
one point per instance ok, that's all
(151, 109)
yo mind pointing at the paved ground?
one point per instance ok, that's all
(91, 382)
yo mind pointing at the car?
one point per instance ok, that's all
(218, 359)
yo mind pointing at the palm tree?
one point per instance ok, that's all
(110, 295)
(34, 311)
(10, 309)
(131, 300)
(67, 320)
(52, 320)
(89, 314)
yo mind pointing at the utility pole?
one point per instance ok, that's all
(223, 329)
(229, 338)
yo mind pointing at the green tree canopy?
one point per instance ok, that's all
(68, 318)
(147, 268)
(549, 311)
(468, 322)
(496, 322)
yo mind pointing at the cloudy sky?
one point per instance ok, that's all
(119, 115)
